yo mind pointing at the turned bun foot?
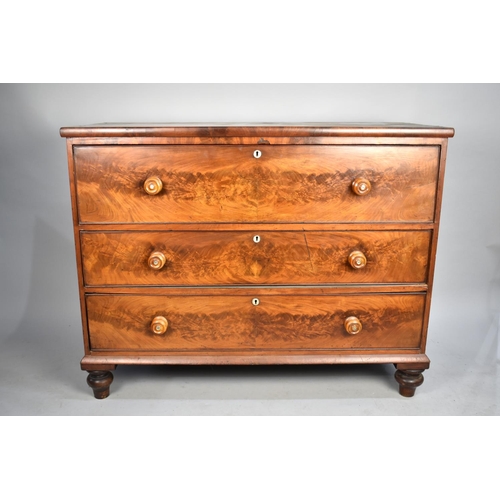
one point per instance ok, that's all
(408, 381)
(99, 381)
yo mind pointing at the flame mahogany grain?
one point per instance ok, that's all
(232, 257)
(215, 196)
(227, 322)
(227, 184)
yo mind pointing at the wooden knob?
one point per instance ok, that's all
(361, 186)
(159, 325)
(153, 185)
(353, 325)
(157, 260)
(357, 259)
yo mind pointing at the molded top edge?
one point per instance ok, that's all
(257, 129)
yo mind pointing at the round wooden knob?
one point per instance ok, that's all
(357, 259)
(353, 325)
(153, 185)
(157, 260)
(159, 325)
(361, 186)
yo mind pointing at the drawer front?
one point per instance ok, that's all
(196, 323)
(228, 184)
(143, 258)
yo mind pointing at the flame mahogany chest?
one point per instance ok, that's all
(301, 243)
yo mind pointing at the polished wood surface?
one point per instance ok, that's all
(153, 185)
(322, 129)
(256, 243)
(228, 322)
(232, 257)
(292, 290)
(227, 184)
(361, 186)
(353, 325)
(109, 361)
(357, 259)
(408, 381)
(156, 260)
(99, 381)
(159, 325)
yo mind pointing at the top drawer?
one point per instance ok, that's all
(235, 184)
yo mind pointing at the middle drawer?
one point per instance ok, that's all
(186, 258)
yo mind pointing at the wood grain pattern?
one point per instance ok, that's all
(130, 140)
(214, 197)
(108, 361)
(231, 257)
(226, 322)
(227, 184)
(265, 226)
(291, 290)
(432, 257)
(323, 129)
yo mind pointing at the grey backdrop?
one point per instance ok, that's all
(40, 336)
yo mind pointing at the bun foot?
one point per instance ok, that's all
(408, 381)
(99, 381)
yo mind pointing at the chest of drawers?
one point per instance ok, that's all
(255, 243)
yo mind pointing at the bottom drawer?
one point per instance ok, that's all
(201, 322)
